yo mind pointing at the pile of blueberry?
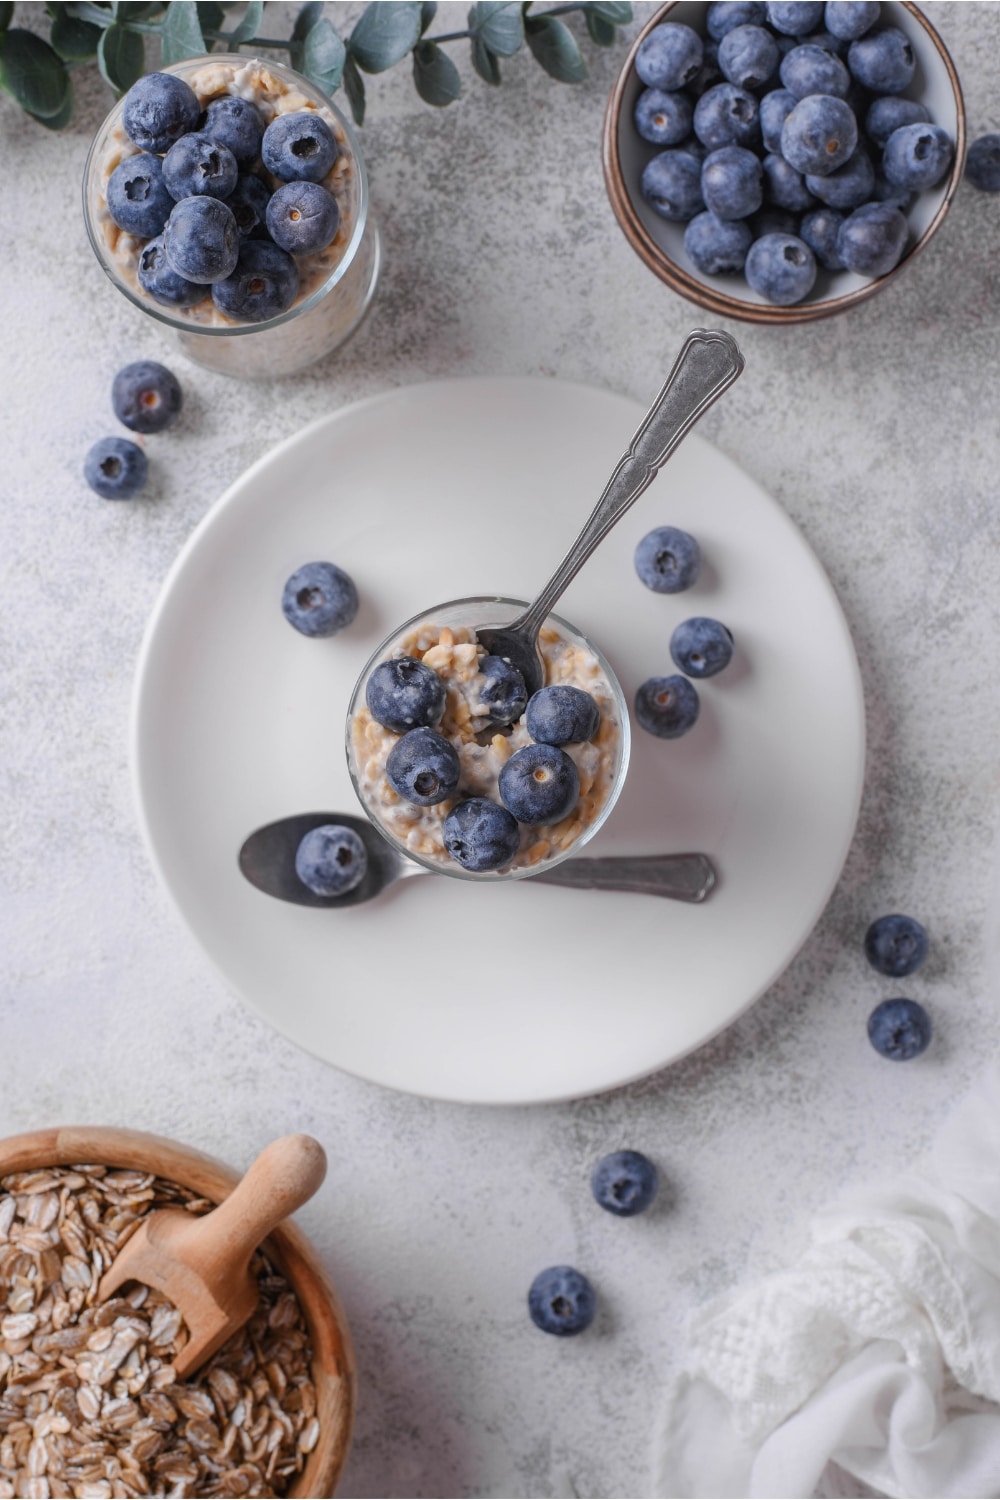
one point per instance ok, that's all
(791, 143)
(896, 945)
(223, 203)
(146, 397)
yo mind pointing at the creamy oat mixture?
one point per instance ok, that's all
(89, 1403)
(454, 654)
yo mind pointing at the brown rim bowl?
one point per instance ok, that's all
(333, 1361)
(660, 243)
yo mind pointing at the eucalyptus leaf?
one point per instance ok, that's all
(554, 46)
(618, 12)
(6, 12)
(181, 35)
(498, 24)
(33, 73)
(384, 34)
(354, 87)
(60, 120)
(428, 10)
(246, 28)
(484, 62)
(436, 77)
(121, 57)
(323, 57)
(73, 39)
(306, 19)
(601, 31)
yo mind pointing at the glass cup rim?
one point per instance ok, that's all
(233, 330)
(624, 747)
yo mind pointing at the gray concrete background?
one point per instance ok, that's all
(876, 430)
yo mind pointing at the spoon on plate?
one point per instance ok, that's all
(267, 859)
(707, 365)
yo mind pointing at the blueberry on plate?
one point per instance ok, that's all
(796, 17)
(137, 197)
(722, 15)
(667, 706)
(146, 396)
(115, 468)
(263, 283)
(561, 715)
(299, 147)
(872, 239)
(781, 267)
(669, 56)
(480, 835)
(717, 246)
(236, 124)
(896, 945)
(158, 109)
(201, 240)
(732, 182)
(748, 56)
(917, 156)
(319, 599)
(668, 560)
(784, 187)
(819, 230)
(849, 186)
(849, 19)
(423, 767)
(701, 647)
(561, 1301)
(819, 134)
(671, 185)
(403, 694)
(331, 860)
(196, 166)
(539, 784)
(503, 695)
(775, 107)
(302, 217)
(727, 116)
(248, 201)
(888, 112)
(813, 70)
(883, 61)
(899, 1029)
(663, 119)
(160, 281)
(982, 163)
(624, 1183)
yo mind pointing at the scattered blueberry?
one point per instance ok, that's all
(661, 118)
(263, 283)
(722, 15)
(561, 1301)
(982, 163)
(539, 784)
(158, 109)
(667, 706)
(146, 396)
(423, 767)
(668, 560)
(784, 187)
(115, 468)
(899, 1029)
(201, 241)
(403, 694)
(669, 57)
(480, 835)
(561, 715)
(748, 56)
(299, 147)
(781, 267)
(883, 61)
(236, 124)
(732, 182)
(813, 70)
(819, 230)
(896, 945)
(302, 217)
(888, 112)
(727, 116)
(872, 239)
(671, 184)
(701, 647)
(819, 135)
(797, 17)
(917, 156)
(624, 1183)
(775, 108)
(717, 246)
(160, 281)
(319, 599)
(137, 197)
(849, 19)
(248, 201)
(849, 186)
(197, 166)
(331, 860)
(503, 695)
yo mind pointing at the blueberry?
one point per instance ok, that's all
(883, 61)
(885, 191)
(727, 116)
(137, 196)
(423, 767)
(158, 109)
(899, 1029)
(319, 599)
(775, 107)
(236, 124)
(263, 283)
(732, 182)
(196, 166)
(722, 15)
(201, 241)
(115, 468)
(561, 1301)
(896, 945)
(146, 396)
(819, 229)
(701, 647)
(302, 217)
(403, 694)
(667, 706)
(849, 19)
(748, 55)
(826, 40)
(624, 1183)
(781, 267)
(888, 112)
(331, 860)
(539, 784)
(796, 17)
(917, 156)
(669, 56)
(664, 119)
(819, 135)
(849, 186)
(248, 201)
(812, 70)
(785, 187)
(717, 246)
(671, 184)
(561, 715)
(160, 281)
(668, 560)
(872, 239)
(709, 72)
(481, 835)
(299, 147)
(982, 163)
(503, 695)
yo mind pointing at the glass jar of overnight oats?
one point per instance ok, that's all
(336, 284)
(444, 639)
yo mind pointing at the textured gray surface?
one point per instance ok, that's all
(877, 431)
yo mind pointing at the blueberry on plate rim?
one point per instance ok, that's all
(561, 1301)
(900, 1029)
(701, 646)
(624, 1183)
(319, 599)
(896, 945)
(331, 860)
(146, 396)
(667, 706)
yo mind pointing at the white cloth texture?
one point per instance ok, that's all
(872, 1365)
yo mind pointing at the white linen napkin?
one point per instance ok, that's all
(872, 1366)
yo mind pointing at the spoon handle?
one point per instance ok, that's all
(277, 1182)
(707, 365)
(683, 877)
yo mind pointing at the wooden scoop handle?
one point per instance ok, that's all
(283, 1177)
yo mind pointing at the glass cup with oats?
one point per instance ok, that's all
(335, 284)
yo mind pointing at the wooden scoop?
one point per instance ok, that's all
(202, 1263)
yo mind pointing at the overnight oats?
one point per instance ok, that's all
(465, 773)
(227, 197)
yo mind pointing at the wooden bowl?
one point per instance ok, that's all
(333, 1360)
(660, 243)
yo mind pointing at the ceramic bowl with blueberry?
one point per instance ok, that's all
(780, 162)
(462, 769)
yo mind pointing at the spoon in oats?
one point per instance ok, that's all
(202, 1263)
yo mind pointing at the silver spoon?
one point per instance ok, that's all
(707, 365)
(267, 859)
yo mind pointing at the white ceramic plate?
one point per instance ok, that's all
(518, 992)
